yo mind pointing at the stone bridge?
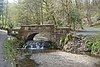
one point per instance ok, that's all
(27, 32)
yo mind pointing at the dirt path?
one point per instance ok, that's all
(88, 31)
(3, 36)
(63, 59)
(91, 29)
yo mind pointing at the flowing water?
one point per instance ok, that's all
(30, 48)
(26, 62)
(39, 47)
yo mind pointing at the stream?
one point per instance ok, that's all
(48, 58)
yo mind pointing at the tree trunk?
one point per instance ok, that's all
(89, 19)
(88, 15)
(54, 20)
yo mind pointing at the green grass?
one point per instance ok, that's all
(95, 35)
(94, 46)
(10, 51)
(97, 26)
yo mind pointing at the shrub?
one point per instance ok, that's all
(93, 46)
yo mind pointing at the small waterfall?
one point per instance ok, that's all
(36, 45)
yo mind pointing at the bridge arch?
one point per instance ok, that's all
(30, 37)
(44, 36)
(28, 32)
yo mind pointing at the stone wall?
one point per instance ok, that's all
(56, 33)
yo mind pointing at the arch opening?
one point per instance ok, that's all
(30, 37)
(39, 41)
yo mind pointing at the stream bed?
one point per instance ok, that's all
(56, 58)
(25, 61)
(64, 59)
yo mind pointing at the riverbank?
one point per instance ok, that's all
(64, 59)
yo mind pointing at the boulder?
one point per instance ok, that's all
(77, 45)
(42, 37)
(69, 47)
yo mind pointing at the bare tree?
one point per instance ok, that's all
(88, 11)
